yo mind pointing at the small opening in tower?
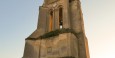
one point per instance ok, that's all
(60, 18)
(70, 1)
(50, 21)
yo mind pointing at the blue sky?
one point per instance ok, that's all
(18, 19)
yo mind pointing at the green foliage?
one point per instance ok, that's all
(55, 33)
(31, 38)
(67, 57)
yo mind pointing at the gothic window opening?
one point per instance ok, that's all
(50, 21)
(60, 18)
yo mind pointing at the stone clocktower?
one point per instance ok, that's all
(60, 32)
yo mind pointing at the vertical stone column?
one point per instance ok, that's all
(82, 38)
(78, 26)
(48, 21)
(75, 16)
(66, 18)
(56, 19)
(53, 20)
(42, 23)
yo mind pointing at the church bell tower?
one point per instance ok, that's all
(60, 32)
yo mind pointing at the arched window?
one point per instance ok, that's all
(60, 18)
(50, 21)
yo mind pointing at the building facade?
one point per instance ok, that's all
(60, 32)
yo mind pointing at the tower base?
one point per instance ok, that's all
(62, 46)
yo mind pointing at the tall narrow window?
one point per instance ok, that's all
(50, 21)
(60, 18)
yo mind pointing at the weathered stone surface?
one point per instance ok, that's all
(59, 46)
(63, 45)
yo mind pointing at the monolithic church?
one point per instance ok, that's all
(60, 32)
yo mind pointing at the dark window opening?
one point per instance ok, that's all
(60, 18)
(70, 1)
(50, 21)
